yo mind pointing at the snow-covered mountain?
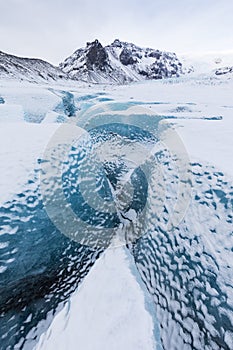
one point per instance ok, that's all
(28, 69)
(215, 64)
(120, 62)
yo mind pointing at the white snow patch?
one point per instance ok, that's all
(10, 113)
(210, 141)
(21, 144)
(107, 312)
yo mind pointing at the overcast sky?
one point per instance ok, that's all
(53, 29)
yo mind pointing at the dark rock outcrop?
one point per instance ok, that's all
(224, 70)
(97, 56)
(126, 57)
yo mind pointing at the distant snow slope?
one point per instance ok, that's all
(120, 62)
(28, 69)
(213, 64)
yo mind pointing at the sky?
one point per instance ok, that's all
(54, 29)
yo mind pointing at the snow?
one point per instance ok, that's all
(218, 153)
(109, 310)
(10, 113)
(112, 69)
(116, 315)
(21, 144)
(207, 63)
(210, 141)
(27, 69)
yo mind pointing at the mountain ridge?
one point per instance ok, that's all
(117, 63)
(120, 62)
(29, 69)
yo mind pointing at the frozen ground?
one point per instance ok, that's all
(111, 310)
(202, 115)
(209, 140)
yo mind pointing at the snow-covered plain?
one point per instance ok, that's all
(189, 100)
(111, 309)
(182, 98)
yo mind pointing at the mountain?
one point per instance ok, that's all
(212, 65)
(28, 69)
(120, 62)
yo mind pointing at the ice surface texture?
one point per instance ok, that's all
(187, 269)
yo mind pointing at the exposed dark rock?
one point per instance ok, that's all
(117, 43)
(96, 56)
(224, 70)
(155, 54)
(143, 72)
(126, 57)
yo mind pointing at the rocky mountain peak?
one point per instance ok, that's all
(120, 62)
(96, 55)
(116, 43)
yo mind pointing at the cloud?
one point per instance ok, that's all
(53, 29)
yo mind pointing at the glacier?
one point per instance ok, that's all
(180, 281)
